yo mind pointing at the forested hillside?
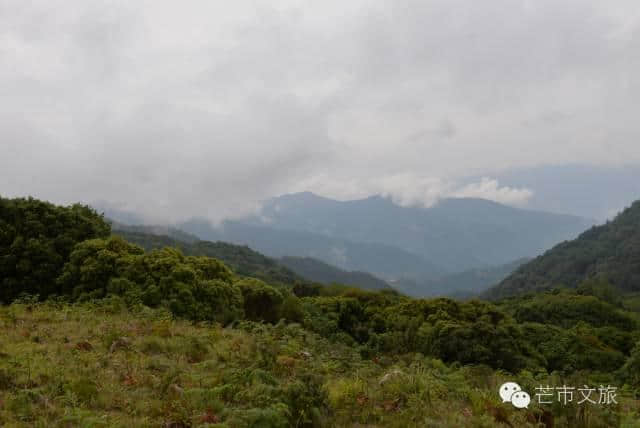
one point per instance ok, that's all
(242, 259)
(321, 272)
(610, 251)
(102, 339)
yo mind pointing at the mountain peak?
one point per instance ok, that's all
(300, 197)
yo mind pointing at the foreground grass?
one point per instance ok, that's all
(104, 365)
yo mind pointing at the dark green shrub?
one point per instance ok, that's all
(291, 309)
(261, 301)
(631, 370)
(36, 239)
(197, 288)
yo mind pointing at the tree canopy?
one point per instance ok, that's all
(36, 239)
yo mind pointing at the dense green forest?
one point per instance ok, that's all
(610, 251)
(242, 259)
(95, 328)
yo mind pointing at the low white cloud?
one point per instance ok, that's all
(488, 188)
(409, 189)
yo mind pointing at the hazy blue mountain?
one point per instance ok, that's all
(318, 271)
(610, 251)
(457, 234)
(382, 260)
(460, 284)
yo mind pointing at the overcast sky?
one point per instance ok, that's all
(176, 109)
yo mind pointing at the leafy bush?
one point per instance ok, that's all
(291, 309)
(198, 288)
(630, 372)
(567, 309)
(261, 301)
(36, 239)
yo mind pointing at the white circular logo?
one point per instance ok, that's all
(510, 392)
(507, 390)
(520, 400)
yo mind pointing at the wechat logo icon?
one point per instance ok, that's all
(512, 393)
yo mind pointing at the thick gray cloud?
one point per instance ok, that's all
(206, 107)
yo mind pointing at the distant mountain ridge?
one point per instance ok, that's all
(455, 234)
(610, 251)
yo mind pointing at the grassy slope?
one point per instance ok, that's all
(102, 365)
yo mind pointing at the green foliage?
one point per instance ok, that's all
(575, 331)
(198, 288)
(601, 288)
(243, 260)
(470, 332)
(347, 357)
(261, 301)
(93, 265)
(257, 374)
(301, 289)
(630, 372)
(291, 309)
(36, 239)
(567, 309)
(561, 331)
(611, 250)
